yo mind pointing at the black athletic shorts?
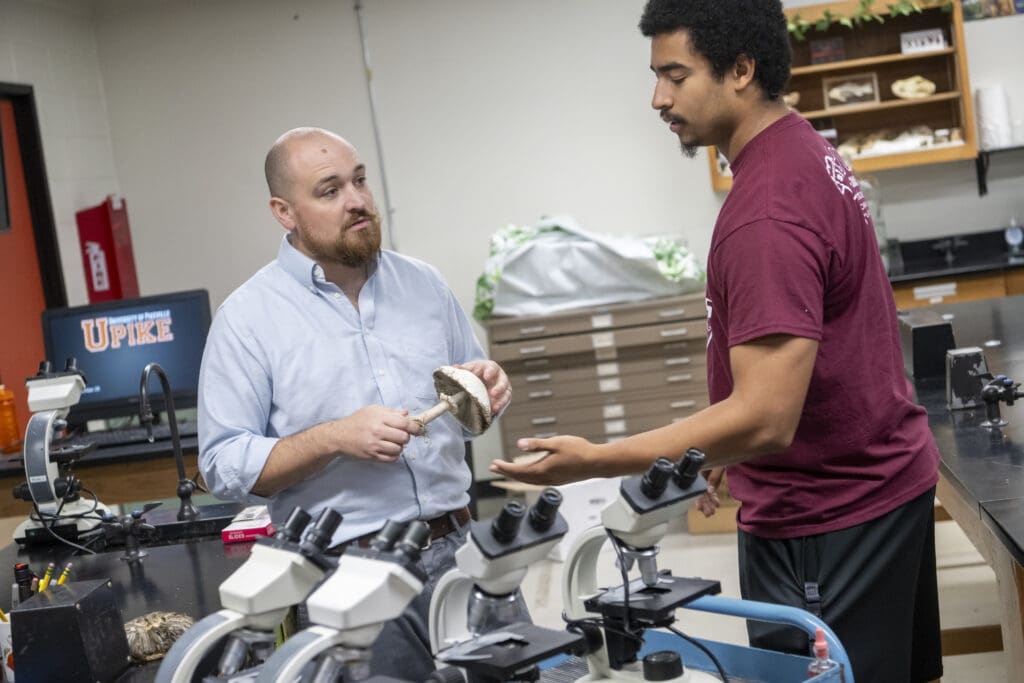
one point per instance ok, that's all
(877, 588)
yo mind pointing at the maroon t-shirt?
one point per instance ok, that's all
(794, 252)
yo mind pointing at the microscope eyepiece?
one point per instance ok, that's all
(545, 510)
(71, 364)
(45, 368)
(387, 537)
(320, 533)
(655, 480)
(506, 525)
(414, 539)
(689, 467)
(297, 521)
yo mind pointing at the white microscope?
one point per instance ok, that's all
(635, 523)
(49, 486)
(370, 587)
(478, 621)
(279, 573)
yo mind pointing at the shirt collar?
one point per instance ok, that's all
(304, 269)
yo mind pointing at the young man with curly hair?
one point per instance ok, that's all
(811, 411)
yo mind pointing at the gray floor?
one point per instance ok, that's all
(967, 590)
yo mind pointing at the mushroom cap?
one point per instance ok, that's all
(473, 413)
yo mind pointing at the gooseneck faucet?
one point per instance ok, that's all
(186, 487)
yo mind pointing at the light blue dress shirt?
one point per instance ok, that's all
(287, 350)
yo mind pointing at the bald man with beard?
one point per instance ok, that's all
(313, 366)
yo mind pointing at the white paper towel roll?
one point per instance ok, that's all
(995, 126)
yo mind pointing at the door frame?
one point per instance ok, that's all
(44, 227)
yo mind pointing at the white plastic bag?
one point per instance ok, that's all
(555, 265)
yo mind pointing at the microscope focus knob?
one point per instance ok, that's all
(689, 467)
(506, 525)
(655, 480)
(545, 511)
(662, 666)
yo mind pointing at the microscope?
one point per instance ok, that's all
(280, 573)
(49, 484)
(370, 587)
(635, 523)
(477, 619)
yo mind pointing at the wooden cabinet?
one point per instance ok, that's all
(1015, 282)
(948, 290)
(872, 54)
(602, 373)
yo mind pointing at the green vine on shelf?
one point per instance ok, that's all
(864, 13)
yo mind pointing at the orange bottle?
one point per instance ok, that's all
(10, 435)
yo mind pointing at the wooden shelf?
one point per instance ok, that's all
(867, 61)
(849, 109)
(882, 162)
(874, 49)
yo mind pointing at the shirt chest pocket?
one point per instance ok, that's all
(420, 355)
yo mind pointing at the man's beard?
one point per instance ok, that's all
(689, 151)
(352, 249)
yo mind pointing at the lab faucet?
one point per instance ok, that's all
(186, 487)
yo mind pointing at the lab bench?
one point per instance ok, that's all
(981, 482)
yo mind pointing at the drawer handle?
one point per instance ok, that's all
(528, 350)
(680, 378)
(682, 404)
(543, 421)
(685, 360)
(545, 435)
(679, 332)
(543, 377)
(531, 330)
(540, 394)
(671, 312)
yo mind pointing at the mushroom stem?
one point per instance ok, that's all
(446, 404)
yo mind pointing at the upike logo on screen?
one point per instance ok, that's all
(137, 329)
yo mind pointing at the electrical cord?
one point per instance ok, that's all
(703, 648)
(598, 622)
(55, 516)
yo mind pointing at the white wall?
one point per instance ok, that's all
(51, 46)
(491, 113)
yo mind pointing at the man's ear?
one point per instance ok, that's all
(282, 211)
(743, 71)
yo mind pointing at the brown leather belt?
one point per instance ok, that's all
(439, 526)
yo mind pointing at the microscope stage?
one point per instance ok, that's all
(652, 603)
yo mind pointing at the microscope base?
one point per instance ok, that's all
(32, 531)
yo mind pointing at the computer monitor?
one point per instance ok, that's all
(113, 341)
